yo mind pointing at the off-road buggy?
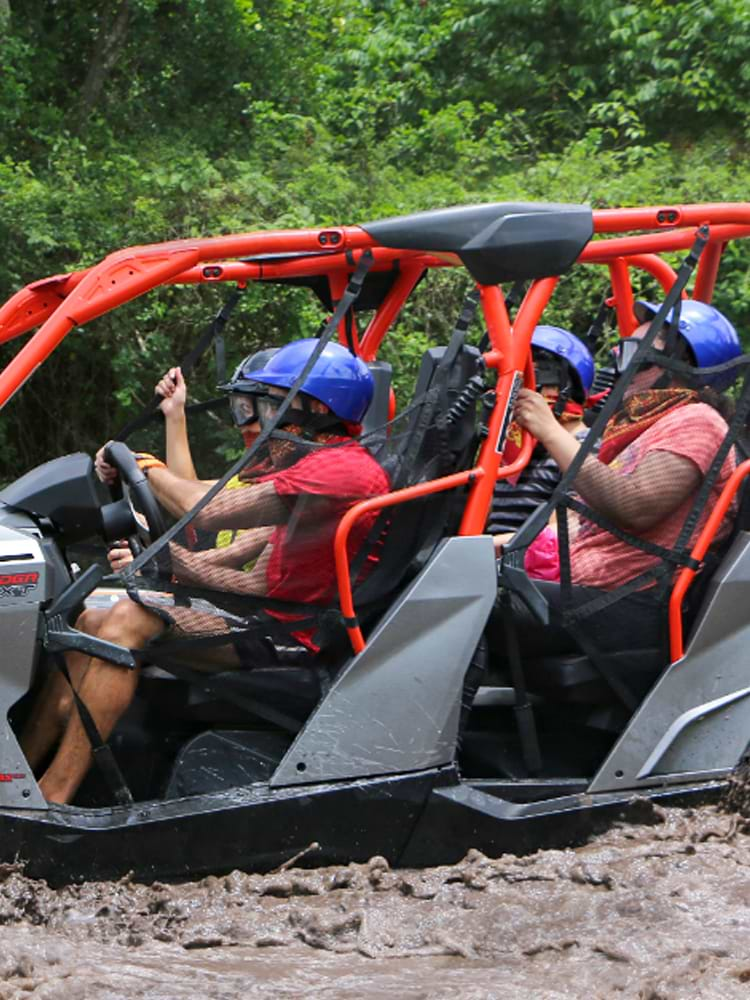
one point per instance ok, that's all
(401, 737)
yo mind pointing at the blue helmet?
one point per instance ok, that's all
(339, 379)
(573, 351)
(241, 386)
(712, 339)
(242, 378)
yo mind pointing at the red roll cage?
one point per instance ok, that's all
(58, 304)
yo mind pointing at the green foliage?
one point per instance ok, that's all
(214, 116)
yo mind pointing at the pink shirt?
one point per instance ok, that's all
(598, 559)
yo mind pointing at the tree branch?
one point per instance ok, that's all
(107, 50)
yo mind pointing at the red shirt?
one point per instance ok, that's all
(598, 559)
(320, 488)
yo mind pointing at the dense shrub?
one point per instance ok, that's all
(228, 115)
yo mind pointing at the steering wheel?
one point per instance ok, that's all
(134, 483)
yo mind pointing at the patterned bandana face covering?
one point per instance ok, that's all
(639, 413)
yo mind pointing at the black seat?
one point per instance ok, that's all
(573, 679)
(417, 453)
(290, 691)
(377, 411)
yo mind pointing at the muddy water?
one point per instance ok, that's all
(652, 911)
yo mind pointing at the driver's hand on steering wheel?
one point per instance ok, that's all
(107, 473)
(119, 555)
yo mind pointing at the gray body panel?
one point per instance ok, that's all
(395, 707)
(696, 720)
(21, 557)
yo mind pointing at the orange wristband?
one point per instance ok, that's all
(146, 461)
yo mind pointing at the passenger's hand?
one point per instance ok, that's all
(173, 388)
(119, 555)
(105, 472)
(499, 541)
(532, 412)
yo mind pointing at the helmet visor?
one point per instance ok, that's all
(244, 408)
(267, 406)
(624, 352)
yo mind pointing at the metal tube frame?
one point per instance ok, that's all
(58, 304)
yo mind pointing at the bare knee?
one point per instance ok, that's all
(131, 623)
(64, 704)
(90, 620)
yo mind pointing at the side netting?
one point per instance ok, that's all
(631, 505)
(250, 575)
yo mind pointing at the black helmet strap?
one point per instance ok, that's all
(551, 369)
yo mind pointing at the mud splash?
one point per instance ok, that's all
(655, 911)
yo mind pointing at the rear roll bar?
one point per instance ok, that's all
(702, 544)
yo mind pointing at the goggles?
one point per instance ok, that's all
(248, 407)
(626, 349)
(624, 352)
(549, 373)
(243, 407)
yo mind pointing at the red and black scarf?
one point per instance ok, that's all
(639, 413)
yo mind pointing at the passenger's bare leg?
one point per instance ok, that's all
(107, 690)
(52, 708)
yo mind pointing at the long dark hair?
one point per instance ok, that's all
(724, 405)
(719, 401)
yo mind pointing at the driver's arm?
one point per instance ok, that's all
(253, 506)
(175, 494)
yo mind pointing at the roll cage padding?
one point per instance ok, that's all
(505, 241)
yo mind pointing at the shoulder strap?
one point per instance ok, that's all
(101, 751)
(347, 300)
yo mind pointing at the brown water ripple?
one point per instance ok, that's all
(653, 911)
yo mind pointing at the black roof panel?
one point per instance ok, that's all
(502, 241)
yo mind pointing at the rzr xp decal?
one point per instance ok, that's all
(17, 584)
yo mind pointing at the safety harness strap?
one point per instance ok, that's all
(101, 751)
(347, 299)
(595, 332)
(533, 525)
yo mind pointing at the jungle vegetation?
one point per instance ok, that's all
(132, 121)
